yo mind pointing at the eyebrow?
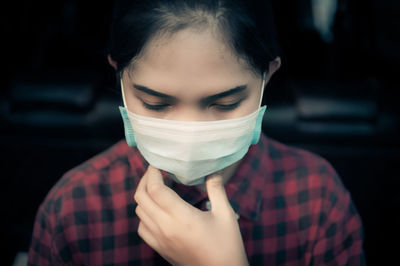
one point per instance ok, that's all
(153, 92)
(223, 94)
(211, 98)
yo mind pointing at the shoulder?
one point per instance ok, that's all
(93, 193)
(104, 175)
(289, 164)
(307, 194)
(304, 182)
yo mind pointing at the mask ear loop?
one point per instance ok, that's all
(262, 89)
(123, 94)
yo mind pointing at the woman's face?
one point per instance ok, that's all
(191, 76)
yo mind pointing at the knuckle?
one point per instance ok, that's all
(137, 196)
(154, 190)
(169, 235)
(138, 211)
(140, 230)
(215, 181)
(215, 185)
(167, 231)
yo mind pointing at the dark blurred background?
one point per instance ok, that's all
(336, 95)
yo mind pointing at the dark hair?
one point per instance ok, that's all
(246, 26)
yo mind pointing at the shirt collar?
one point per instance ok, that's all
(244, 189)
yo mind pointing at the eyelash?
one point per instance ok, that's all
(220, 107)
(156, 107)
(227, 107)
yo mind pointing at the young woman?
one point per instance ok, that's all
(196, 182)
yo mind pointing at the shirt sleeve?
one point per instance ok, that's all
(41, 251)
(340, 236)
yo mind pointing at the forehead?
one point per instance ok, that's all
(189, 58)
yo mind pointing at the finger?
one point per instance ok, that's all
(217, 195)
(147, 236)
(163, 196)
(146, 220)
(148, 205)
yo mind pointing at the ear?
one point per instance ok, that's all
(112, 62)
(274, 65)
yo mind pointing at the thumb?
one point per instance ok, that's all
(217, 195)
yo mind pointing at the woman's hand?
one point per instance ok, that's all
(183, 234)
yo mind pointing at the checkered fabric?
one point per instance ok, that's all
(293, 209)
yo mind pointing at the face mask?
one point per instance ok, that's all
(191, 150)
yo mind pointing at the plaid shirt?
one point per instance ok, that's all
(293, 210)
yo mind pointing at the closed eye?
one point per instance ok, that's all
(226, 107)
(156, 107)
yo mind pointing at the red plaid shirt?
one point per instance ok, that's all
(293, 210)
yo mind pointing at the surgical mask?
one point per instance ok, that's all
(191, 150)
